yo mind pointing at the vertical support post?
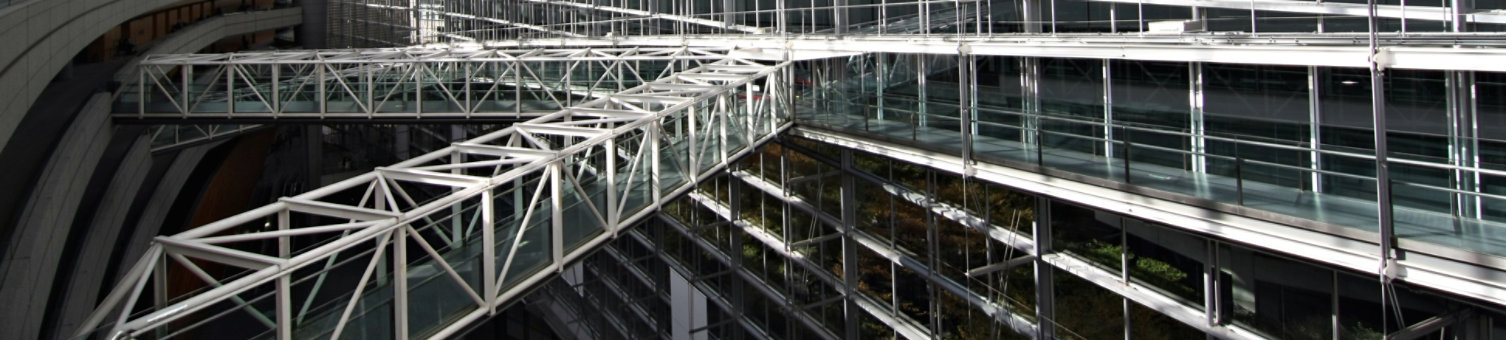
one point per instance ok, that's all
(276, 89)
(284, 307)
(1210, 283)
(457, 221)
(556, 214)
(613, 217)
(187, 101)
(781, 19)
(721, 115)
(370, 98)
(1108, 114)
(1334, 304)
(1382, 170)
(1031, 10)
(1045, 287)
(920, 81)
(1113, 18)
(141, 92)
(229, 90)
(400, 283)
(284, 247)
(468, 76)
(1124, 265)
(159, 283)
(1459, 15)
(1196, 143)
(966, 107)
(159, 291)
(323, 98)
(933, 242)
(1239, 178)
(418, 89)
(1315, 128)
(1127, 147)
(852, 313)
(750, 131)
(1030, 79)
(1464, 148)
(883, 82)
(517, 91)
(839, 16)
(489, 250)
(691, 134)
(653, 153)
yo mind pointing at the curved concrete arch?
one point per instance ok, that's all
(42, 37)
(32, 263)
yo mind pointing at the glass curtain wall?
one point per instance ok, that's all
(925, 258)
(1295, 141)
(377, 23)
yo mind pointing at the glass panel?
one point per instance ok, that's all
(1275, 296)
(1146, 323)
(533, 243)
(634, 172)
(1086, 311)
(911, 233)
(435, 298)
(963, 249)
(1089, 233)
(875, 276)
(674, 153)
(1166, 260)
(582, 217)
(1010, 209)
(1150, 100)
(912, 296)
(874, 210)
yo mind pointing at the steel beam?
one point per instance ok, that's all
(384, 217)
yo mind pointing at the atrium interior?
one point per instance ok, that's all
(753, 169)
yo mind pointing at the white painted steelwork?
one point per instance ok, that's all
(466, 82)
(602, 165)
(1275, 49)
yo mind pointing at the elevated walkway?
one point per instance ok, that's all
(466, 84)
(424, 247)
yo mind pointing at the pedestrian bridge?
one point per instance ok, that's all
(426, 246)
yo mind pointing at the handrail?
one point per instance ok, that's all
(1132, 127)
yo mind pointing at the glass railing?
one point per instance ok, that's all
(1233, 170)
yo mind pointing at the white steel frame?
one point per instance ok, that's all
(470, 82)
(1336, 50)
(694, 107)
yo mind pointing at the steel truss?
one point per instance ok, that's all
(465, 83)
(451, 236)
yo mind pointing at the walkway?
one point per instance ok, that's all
(449, 237)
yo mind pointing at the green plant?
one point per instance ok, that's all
(1160, 270)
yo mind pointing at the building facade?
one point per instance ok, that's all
(1084, 169)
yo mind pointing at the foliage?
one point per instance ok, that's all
(1159, 270)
